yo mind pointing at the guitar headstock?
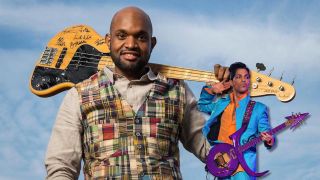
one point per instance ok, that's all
(296, 119)
(262, 85)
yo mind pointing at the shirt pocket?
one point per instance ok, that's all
(167, 138)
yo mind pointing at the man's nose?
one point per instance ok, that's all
(130, 42)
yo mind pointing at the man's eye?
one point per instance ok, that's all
(121, 36)
(142, 38)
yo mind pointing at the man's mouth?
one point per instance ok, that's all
(130, 55)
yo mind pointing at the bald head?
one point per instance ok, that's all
(130, 42)
(131, 13)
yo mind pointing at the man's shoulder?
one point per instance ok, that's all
(260, 105)
(171, 81)
(89, 82)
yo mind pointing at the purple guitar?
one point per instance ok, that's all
(223, 159)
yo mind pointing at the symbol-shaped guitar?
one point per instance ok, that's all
(223, 159)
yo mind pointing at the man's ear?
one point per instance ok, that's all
(153, 42)
(108, 39)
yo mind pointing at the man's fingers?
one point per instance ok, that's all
(210, 83)
(266, 136)
(216, 69)
(226, 74)
(221, 73)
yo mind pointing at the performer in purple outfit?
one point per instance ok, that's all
(227, 115)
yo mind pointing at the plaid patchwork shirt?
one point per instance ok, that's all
(119, 140)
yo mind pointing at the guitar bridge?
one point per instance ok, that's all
(222, 160)
(47, 56)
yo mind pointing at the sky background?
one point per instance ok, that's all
(196, 34)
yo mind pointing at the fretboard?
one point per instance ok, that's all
(258, 139)
(174, 72)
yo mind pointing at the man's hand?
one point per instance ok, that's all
(267, 138)
(218, 88)
(222, 74)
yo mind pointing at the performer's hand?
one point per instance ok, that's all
(267, 138)
(218, 88)
(222, 73)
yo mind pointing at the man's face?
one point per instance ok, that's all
(241, 81)
(130, 42)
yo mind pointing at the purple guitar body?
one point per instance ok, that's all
(224, 159)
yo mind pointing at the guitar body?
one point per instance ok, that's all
(223, 159)
(70, 57)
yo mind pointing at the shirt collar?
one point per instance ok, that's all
(149, 76)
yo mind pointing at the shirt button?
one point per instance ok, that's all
(139, 146)
(138, 134)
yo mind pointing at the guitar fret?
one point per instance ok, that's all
(258, 139)
(175, 72)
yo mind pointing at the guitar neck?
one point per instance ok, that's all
(184, 73)
(174, 72)
(258, 139)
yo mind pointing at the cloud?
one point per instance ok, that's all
(200, 42)
(193, 40)
(53, 17)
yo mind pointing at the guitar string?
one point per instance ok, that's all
(97, 59)
(171, 74)
(208, 75)
(163, 66)
(196, 74)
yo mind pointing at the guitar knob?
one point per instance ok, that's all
(281, 88)
(47, 82)
(254, 85)
(270, 84)
(258, 79)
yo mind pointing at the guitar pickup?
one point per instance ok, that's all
(61, 57)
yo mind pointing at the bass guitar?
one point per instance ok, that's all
(223, 159)
(78, 52)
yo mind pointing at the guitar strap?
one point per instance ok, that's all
(248, 113)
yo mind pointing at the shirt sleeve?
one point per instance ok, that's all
(205, 102)
(192, 124)
(264, 124)
(64, 152)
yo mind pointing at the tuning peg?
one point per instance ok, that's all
(281, 88)
(271, 71)
(293, 80)
(260, 67)
(281, 76)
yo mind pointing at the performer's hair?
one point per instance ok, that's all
(235, 66)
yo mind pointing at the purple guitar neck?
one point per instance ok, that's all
(293, 122)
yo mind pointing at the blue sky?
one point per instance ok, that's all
(281, 34)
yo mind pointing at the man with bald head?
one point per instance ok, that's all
(126, 122)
